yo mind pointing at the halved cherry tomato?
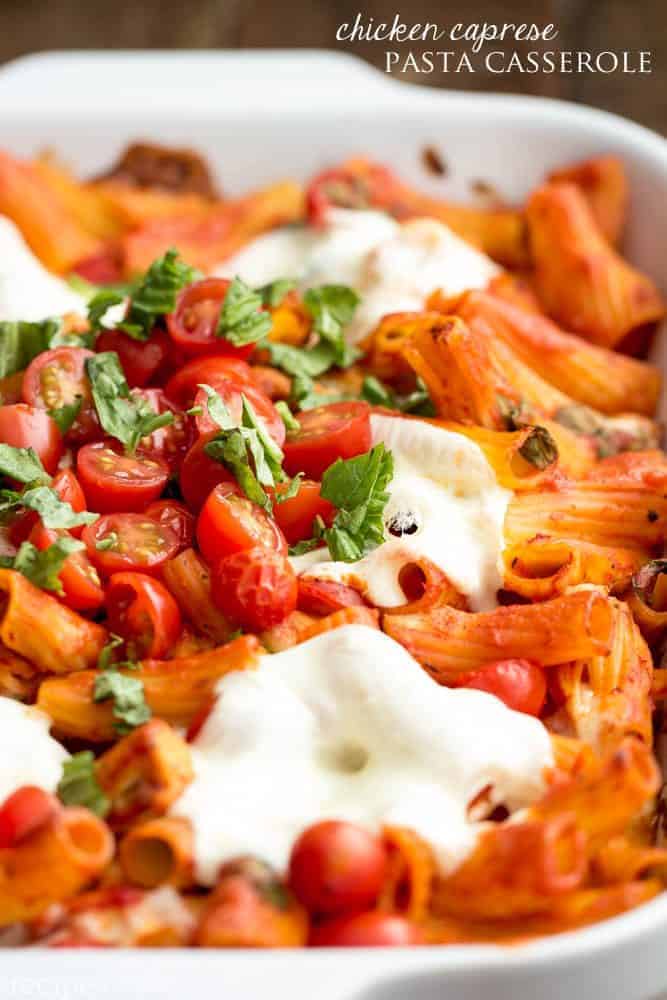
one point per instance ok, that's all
(56, 378)
(372, 186)
(66, 485)
(295, 516)
(183, 385)
(520, 683)
(169, 444)
(339, 430)
(200, 473)
(143, 612)
(229, 522)
(373, 929)
(30, 427)
(193, 324)
(230, 393)
(114, 481)
(176, 516)
(102, 268)
(82, 590)
(141, 361)
(337, 867)
(26, 810)
(129, 542)
(255, 588)
(324, 597)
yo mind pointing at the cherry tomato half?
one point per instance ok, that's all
(324, 597)
(143, 612)
(56, 378)
(255, 588)
(229, 522)
(26, 810)
(371, 185)
(176, 516)
(230, 394)
(193, 324)
(82, 590)
(339, 430)
(200, 473)
(521, 684)
(171, 443)
(183, 385)
(295, 516)
(114, 481)
(373, 929)
(141, 361)
(29, 427)
(337, 867)
(129, 542)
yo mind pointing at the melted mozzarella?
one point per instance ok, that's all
(27, 290)
(447, 506)
(349, 726)
(393, 267)
(28, 755)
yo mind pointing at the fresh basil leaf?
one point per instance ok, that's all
(332, 308)
(291, 490)
(22, 464)
(66, 415)
(106, 657)
(274, 293)
(286, 415)
(123, 416)
(22, 341)
(107, 543)
(242, 320)
(155, 296)
(377, 394)
(99, 305)
(79, 785)
(418, 402)
(230, 449)
(358, 487)
(42, 566)
(54, 512)
(217, 409)
(273, 455)
(302, 361)
(309, 544)
(127, 693)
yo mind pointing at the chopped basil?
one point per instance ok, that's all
(242, 319)
(124, 416)
(79, 785)
(358, 487)
(42, 566)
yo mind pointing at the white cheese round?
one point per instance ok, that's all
(348, 726)
(28, 754)
(445, 499)
(27, 290)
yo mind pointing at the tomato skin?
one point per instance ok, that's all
(24, 812)
(200, 473)
(101, 268)
(295, 516)
(143, 612)
(519, 683)
(82, 590)
(55, 378)
(193, 324)
(168, 444)
(324, 597)
(115, 482)
(199, 720)
(182, 387)
(141, 361)
(373, 929)
(176, 516)
(337, 867)
(230, 392)
(339, 430)
(374, 186)
(140, 543)
(24, 426)
(255, 588)
(67, 486)
(229, 522)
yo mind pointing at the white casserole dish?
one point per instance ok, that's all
(257, 117)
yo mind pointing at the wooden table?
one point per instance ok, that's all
(29, 25)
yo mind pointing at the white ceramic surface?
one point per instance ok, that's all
(258, 116)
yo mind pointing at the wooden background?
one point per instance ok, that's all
(32, 25)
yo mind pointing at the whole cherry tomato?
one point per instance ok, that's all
(25, 426)
(255, 588)
(337, 867)
(295, 516)
(339, 430)
(143, 612)
(521, 684)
